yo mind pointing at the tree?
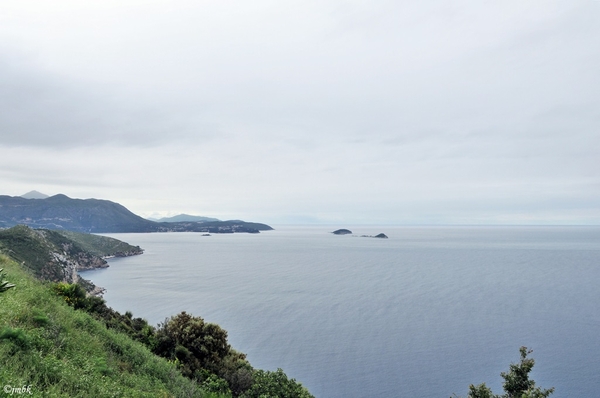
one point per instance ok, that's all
(516, 382)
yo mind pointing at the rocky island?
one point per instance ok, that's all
(342, 232)
(380, 236)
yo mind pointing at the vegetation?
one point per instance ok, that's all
(199, 349)
(49, 255)
(275, 384)
(61, 352)
(516, 382)
(63, 342)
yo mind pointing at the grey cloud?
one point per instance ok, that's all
(44, 110)
(314, 108)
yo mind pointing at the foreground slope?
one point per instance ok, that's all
(61, 352)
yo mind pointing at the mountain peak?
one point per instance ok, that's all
(186, 218)
(34, 195)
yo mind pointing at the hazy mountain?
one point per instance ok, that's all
(60, 212)
(184, 218)
(34, 195)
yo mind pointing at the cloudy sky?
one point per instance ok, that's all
(354, 112)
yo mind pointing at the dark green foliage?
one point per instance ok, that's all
(238, 372)
(73, 294)
(480, 391)
(197, 345)
(4, 285)
(516, 382)
(203, 353)
(213, 383)
(276, 385)
(17, 336)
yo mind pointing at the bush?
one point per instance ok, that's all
(73, 294)
(276, 385)
(197, 345)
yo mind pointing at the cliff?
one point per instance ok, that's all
(54, 256)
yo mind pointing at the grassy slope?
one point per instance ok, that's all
(61, 352)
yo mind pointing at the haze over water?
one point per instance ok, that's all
(424, 313)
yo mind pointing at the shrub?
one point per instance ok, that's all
(196, 344)
(73, 294)
(275, 384)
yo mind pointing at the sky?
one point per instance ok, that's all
(292, 112)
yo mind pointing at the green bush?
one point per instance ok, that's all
(275, 385)
(197, 345)
(72, 293)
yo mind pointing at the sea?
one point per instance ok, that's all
(424, 313)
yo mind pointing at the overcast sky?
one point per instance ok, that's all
(354, 112)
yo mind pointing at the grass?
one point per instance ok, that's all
(61, 352)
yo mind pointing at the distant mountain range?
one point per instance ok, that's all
(184, 218)
(59, 212)
(34, 195)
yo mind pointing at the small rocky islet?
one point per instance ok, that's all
(344, 231)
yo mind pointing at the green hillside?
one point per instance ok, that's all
(61, 352)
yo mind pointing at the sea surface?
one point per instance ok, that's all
(424, 313)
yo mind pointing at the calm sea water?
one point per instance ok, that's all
(424, 313)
